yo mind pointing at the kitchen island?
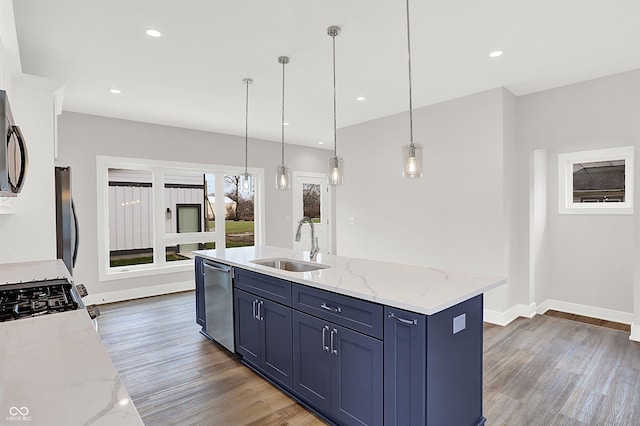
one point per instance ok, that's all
(54, 369)
(359, 341)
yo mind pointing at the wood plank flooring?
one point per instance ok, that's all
(540, 371)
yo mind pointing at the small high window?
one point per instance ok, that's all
(596, 182)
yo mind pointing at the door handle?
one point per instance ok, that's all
(412, 321)
(24, 158)
(329, 308)
(255, 309)
(333, 349)
(324, 344)
(260, 317)
(214, 268)
(76, 234)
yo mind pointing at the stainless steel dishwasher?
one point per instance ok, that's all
(218, 299)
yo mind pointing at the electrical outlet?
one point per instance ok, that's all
(352, 220)
(459, 323)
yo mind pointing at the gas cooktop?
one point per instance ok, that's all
(32, 299)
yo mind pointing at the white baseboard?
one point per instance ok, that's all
(588, 311)
(635, 332)
(137, 293)
(504, 318)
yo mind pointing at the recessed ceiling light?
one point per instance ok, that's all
(320, 143)
(153, 33)
(115, 91)
(285, 124)
(360, 98)
(496, 53)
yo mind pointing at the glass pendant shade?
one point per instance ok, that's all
(334, 170)
(247, 183)
(412, 161)
(283, 177)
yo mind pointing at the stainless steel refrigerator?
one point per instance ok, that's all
(66, 219)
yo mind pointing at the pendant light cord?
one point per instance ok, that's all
(410, 100)
(246, 129)
(282, 124)
(335, 138)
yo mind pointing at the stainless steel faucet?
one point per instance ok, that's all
(314, 240)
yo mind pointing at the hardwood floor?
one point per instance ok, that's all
(589, 320)
(540, 371)
(176, 376)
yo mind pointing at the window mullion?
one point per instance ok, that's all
(159, 247)
(220, 211)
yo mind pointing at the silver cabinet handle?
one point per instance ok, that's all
(412, 321)
(329, 308)
(255, 309)
(260, 314)
(324, 344)
(333, 349)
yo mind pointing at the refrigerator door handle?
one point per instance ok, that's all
(76, 241)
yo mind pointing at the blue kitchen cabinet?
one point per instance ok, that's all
(338, 371)
(247, 327)
(405, 350)
(433, 366)
(264, 335)
(200, 304)
(312, 360)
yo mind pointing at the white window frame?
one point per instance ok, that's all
(161, 239)
(565, 181)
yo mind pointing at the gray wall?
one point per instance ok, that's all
(82, 137)
(584, 259)
(472, 210)
(452, 218)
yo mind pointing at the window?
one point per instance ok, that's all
(596, 182)
(152, 215)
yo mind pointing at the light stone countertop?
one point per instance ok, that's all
(413, 288)
(54, 369)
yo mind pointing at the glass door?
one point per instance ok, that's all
(312, 198)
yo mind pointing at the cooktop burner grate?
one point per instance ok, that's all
(25, 300)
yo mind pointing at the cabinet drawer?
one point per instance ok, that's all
(356, 314)
(263, 285)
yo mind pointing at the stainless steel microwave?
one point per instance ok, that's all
(13, 153)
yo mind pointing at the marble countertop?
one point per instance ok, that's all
(54, 369)
(414, 288)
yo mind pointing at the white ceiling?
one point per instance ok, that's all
(192, 76)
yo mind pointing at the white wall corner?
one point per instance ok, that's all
(506, 317)
(137, 293)
(635, 332)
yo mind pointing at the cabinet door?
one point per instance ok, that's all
(247, 326)
(405, 352)
(312, 360)
(357, 388)
(277, 346)
(199, 278)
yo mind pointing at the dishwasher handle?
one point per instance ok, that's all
(214, 268)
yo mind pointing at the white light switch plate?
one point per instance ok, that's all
(459, 323)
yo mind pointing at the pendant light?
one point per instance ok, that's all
(334, 164)
(412, 153)
(283, 173)
(247, 182)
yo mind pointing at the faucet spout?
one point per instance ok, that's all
(314, 240)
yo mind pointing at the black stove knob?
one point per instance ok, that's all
(93, 311)
(82, 290)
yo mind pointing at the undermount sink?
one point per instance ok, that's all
(291, 265)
